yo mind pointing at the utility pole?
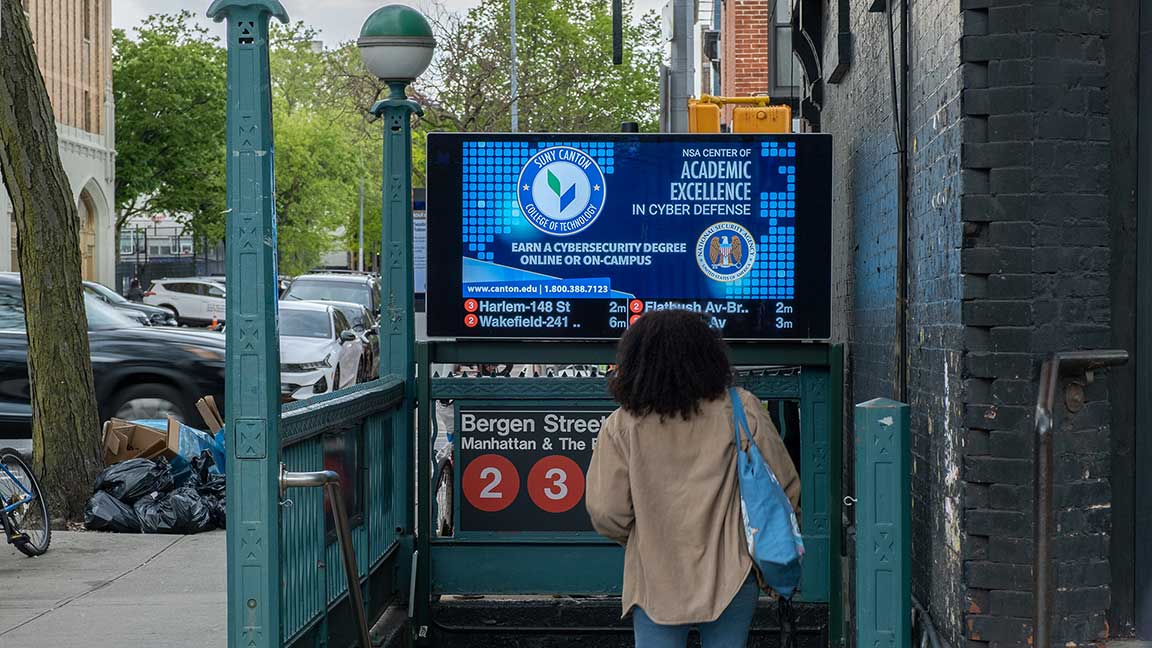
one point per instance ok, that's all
(360, 257)
(515, 98)
(681, 65)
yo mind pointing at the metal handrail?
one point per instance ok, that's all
(330, 481)
(1056, 365)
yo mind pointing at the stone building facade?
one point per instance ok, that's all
(74, 47)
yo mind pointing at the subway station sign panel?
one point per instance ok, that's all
(524, 466)
(576, 236)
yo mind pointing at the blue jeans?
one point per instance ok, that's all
(728, 631)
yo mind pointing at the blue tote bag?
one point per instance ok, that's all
(770, 527)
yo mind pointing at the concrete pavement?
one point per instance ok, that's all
(106, 590)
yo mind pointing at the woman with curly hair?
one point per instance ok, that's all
(663, 483)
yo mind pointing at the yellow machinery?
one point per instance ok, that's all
(750, 115)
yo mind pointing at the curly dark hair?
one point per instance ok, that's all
(667, 363)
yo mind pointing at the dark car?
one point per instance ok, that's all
(151, 315)
(355, 287)
(140, 372)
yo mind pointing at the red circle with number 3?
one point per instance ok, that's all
(490, 483)
(556, 484)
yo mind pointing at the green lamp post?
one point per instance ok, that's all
(253, 362)
(396, 44)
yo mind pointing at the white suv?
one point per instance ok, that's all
(194, 301)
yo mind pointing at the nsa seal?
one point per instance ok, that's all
(725, 252)
(561, 190)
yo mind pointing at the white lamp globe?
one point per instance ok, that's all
(396, 43)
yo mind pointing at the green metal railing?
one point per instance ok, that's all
(804, 379)
(314, 600)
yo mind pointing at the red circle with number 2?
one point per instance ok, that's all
(490, 483)
(556, 484)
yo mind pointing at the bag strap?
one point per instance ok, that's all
(739, 420)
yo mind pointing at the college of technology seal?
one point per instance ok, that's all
(725, 252)
(561, 190)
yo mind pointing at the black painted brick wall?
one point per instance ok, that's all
(1009, 260)
(1035, 261)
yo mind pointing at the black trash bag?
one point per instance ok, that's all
(200, 465)
(180, 511)
(106, 513)
(215, 486)
(217, 510)
(130, 480)
(210, 485)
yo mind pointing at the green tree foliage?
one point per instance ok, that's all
(326, 139)
(170, 98)
(170, 81)
(567, 82)
(319, 156)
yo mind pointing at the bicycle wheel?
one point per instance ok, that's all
(26, 522)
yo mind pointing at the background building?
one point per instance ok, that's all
(756, 51)
(160, 246)
(732, 48)
(74, 48)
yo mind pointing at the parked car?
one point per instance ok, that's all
(150, 315)
(364, 325)
(192, 300)
(139, 371)
(355, 287)
(319, 351)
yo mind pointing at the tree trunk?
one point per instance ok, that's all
(65, 427)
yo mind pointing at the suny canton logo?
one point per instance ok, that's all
(725, 252)
(561, 190)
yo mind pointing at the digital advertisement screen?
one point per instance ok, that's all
(577, 236)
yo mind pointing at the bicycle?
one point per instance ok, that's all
(24, 516)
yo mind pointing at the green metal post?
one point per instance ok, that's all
(836, 549)
(397, 326)
(883, 525)
(253, 355)
(421, 617)
(816, 474)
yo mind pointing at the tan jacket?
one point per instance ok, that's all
(669, 493)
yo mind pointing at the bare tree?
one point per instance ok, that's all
(65, 426)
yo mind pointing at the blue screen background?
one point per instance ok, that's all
(634, 173)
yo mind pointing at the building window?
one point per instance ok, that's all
(88, 111)
(787, 76)
(86, 12)
(127, 243)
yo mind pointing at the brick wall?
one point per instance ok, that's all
(858, 113)
(74, 49)
(934, 308)
(1010, 143)
(744, 43)
(1036, 261)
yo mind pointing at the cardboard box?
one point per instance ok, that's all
(207, 408)
(124, 440)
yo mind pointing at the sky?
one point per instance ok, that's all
(337, 20)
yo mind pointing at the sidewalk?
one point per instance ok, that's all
(105, 590)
